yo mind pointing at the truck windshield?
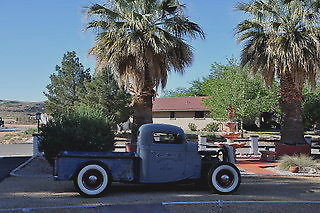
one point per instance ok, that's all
(167, 138)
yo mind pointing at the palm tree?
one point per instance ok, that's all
(281, 39)
(143, 40)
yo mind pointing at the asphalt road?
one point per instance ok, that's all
(8, 164)
(256, 194)
(14, 150)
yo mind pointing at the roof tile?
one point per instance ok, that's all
(179, 104)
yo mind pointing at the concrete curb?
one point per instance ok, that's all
(14, 172)
(15, 143)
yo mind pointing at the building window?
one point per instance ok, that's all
(172, 114)
(199, 114)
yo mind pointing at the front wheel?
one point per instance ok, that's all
(92, 180)
(224, 178)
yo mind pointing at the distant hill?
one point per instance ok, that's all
(20, 106)
(19, 111)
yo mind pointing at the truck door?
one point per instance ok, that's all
(167, 158)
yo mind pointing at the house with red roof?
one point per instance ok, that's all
(181, 111)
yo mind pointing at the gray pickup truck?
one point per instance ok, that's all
(163, 155)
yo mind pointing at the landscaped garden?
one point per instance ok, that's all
(278, 100)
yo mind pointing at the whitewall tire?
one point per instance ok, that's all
(92, 180)
(224, 178)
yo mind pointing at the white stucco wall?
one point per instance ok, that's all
(182, 119)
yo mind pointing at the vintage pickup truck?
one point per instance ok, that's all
(163, 155)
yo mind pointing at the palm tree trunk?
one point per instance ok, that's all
(142, 115)
(292, 125)
(290, 104)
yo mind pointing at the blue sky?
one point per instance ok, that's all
(35, 34)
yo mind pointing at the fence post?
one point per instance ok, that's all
(254, 144)
(35, 146)
(202, 140)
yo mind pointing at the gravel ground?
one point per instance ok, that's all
(18, 192)
(287, 173)
(16, 131)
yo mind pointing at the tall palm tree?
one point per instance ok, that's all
(281, 39)
(143, 40)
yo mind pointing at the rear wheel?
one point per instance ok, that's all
(224, 178)
(92, 180)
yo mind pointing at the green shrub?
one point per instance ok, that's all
(192, 137)
(212, 127)
(303, 162)
(192, 127)
(83, 129)
(30, 131)
(8, 136)
(211, 137)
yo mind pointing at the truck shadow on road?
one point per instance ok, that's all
(257, 187)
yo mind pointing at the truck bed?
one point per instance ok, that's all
(110, 155)
(124, 166)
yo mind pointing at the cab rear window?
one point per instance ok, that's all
(166, 138)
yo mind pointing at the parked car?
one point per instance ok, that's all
(1, 122)
(163, 155)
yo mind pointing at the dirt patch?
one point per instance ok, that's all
(16, 133)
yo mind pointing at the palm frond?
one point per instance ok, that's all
(143, 40)
(280, 37)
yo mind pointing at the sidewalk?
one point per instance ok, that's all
(255, 166)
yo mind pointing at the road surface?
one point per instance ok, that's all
(11, 150)
(8, 164)
(256, 194)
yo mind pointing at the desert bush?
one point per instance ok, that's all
(19, 136)
(82, 129)
(303, 162)
(30, 131)
(192, 127)
(212, 127)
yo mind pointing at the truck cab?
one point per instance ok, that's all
(165, 154)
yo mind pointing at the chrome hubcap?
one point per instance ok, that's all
(93, 179)
(225, 178)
